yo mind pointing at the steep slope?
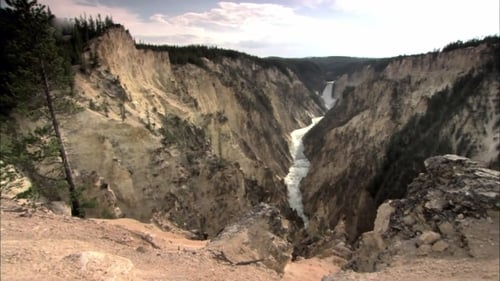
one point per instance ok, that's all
(195, 145)
(435, 218)
(371, 144)
(446, 228)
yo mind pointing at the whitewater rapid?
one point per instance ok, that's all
(300, 165)
(298, 170)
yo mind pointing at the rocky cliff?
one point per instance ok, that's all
(451, 211)
(196, 145)
(387, 120)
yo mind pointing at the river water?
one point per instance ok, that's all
(300, 164)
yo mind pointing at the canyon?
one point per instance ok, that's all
(242, 154)
(387, 121)
(199, 146)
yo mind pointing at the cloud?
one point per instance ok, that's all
(238, 17)
(86, 3)
(252, 44)
(338, 27)
(169, 38)
(315, 3)
(226, 25)
(248, 26)
(422, 23)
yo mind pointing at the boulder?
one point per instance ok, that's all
(259, 237)
(60, 208)
(446, 228)
(440, 246)
(424, 250)
(101, 266)
(409, 220)
(367, 257)
(428, 237)
(383, 218)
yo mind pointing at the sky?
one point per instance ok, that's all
(298, 28)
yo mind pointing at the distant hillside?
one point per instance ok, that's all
(314, 71)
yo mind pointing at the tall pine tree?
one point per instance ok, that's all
(35, 70)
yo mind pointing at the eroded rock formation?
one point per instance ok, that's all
(387, 121)
(259, 236)
(444, 213)
(197, 145)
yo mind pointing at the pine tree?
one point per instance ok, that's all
(38, 70)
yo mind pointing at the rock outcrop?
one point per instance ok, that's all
(451, 210)
(387, 120)
(260, 236)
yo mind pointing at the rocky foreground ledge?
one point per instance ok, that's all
(447, 228)
(38, 244)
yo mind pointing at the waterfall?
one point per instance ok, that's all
(327, 95)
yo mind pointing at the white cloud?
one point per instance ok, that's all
(235, 25)
(346, 27)
(315, 3)
(419, 26)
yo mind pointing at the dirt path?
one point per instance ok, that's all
(310, 269)
(42, 246)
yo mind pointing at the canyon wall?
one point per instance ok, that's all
(195, 145)
(387, 120)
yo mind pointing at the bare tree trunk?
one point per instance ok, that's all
(75, 204)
